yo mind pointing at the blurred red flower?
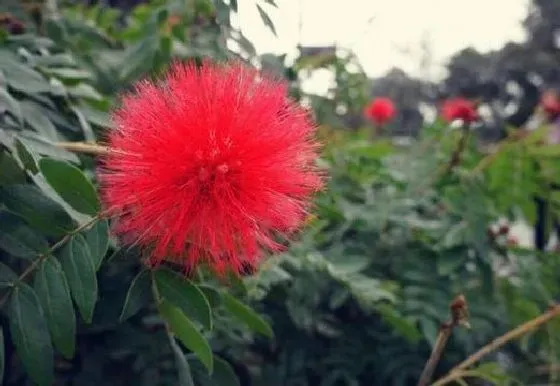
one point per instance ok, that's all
(459, 108)
(550, 103)
(210, 166)
(380, 110)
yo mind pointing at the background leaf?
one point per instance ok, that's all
(76, 261)
(30, 335)
(18, 239)
(54, 295)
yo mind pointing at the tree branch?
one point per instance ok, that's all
(459, 316)
(459, 370)
(54, 247)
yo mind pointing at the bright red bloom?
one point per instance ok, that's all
(210, 166)
(550, 103)
(380, 110)
(459, 108)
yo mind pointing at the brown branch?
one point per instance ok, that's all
(53, 248)
(455, 159)
(458, 371)
(458, 311)
(84, 147)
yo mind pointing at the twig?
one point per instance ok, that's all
(457, 153)
(83, 147)
(458, 371)
(458, 310)
(53, 248)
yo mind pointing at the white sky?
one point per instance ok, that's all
(397, 25)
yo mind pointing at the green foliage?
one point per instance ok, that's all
(358, 299)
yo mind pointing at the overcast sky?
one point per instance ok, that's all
(396, 26)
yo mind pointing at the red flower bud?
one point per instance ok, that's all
(459, 109)
(380, 110)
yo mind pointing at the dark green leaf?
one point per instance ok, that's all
(266, 20)
(223, 374)
(30, 334)
(53, 292)
(187, 333)
(97, 238)
(71, 185)
(39, 145)
(184, 294)
(246, 315)
(138, 295)
(39, 211)
(20, 76)
(271, 2)
(183, 368)
(211, 294)
(10, 105)
(7, 276)
(99, 118)
(27, 159)
(86, 127)
(10, 172)
(35, 116)
(233, 5)
(84, 90)
(80, 272)
(69, 73)
(18, 239)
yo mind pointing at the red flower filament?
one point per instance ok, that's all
(380, 110)
(210, 166)
(459, 109)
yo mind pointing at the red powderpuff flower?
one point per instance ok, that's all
(380, 110)
(210, 166)
(459, 108)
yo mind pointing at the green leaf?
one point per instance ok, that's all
(71, 185)
(69, 73)
(52, 289)
(7, 276)
(84, 90)
(187, 333)
(97, 238)
(212, 295)
(35, 116)
(183, 368)
(99, 118)
(39, 145)
(25, 156)
(86, 127)
(39, 211)
(2, 357)
(10, 172)
(223, 374)
(182, 293)
(138, 295)
(11, 105)
(266, 20)
(246, 315)
(80, 272)
(20, 76)
(30, 334)
(18, 239)
(271, 2)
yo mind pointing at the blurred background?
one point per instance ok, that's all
(440, 127)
